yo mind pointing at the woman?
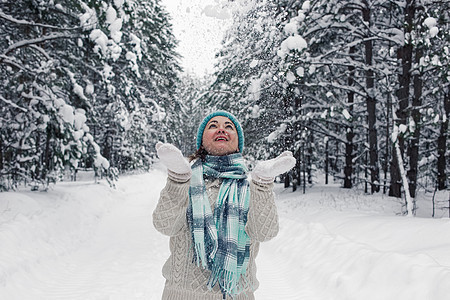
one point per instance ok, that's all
(215, 217)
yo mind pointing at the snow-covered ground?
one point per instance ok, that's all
(83, 240)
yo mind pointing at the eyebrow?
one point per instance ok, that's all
(226, 122)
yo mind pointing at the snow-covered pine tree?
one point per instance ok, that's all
(421, 104)
(139, 74)
(337, 75)
(161, 69)
(43, 126)
(108, 64)
(346, 59)
(326, 103)
(431, 107)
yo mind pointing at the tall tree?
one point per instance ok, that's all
(405, 55)
(79, 71)
(43, 130)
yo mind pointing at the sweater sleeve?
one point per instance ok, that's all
(262, 222)
(169, 216)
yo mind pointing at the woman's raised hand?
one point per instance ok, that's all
(265, 171)
(174, 160)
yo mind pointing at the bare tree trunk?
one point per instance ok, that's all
(336, 166)
(1, 155)
(387, 153)
(36, 173)
(327, 162)
(366, 175)
(395, 188)
(298, 164)
(304, 170)
(442, 146)
(47, 157)
(405, 55)
(287, 181)
(289, 103)
(348, 169)
(413, 148)
(310, 157)
(410, 209)
(371, 109)
(296, 136)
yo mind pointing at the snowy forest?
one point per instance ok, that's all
(359, 91)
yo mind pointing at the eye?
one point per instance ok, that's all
(229, 127)
(212, 126)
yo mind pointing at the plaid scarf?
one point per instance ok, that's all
(220, 241)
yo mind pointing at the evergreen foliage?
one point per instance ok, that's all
(333, 81)
(85, 85)
(353, 88)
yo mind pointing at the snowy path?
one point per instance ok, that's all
(279, 279)
(120, 259)
(116, 260)
(87, 242)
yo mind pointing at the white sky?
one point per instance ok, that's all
(199, 25)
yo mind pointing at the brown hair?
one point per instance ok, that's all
(200, 153)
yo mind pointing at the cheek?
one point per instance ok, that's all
(233, 134)
(207, 136)
(235, 139)
(236, 143)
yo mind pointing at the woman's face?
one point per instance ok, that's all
(220, 137)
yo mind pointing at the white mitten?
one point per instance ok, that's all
(177, 166)
(265, 171)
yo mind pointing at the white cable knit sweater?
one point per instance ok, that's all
(186, 281)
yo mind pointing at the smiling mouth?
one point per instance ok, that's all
(221, 138)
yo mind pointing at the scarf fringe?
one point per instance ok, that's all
(200, 255)
(228, 281)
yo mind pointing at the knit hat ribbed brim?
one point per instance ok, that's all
(222, 113)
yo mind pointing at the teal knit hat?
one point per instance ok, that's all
(222, 113)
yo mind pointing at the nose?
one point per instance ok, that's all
(222, 130)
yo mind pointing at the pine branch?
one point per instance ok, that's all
(27, 23)
(42, 39)
(13, 104)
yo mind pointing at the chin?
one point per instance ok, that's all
(222, 153)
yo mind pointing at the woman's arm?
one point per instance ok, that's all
(262, 222)
(169, 216)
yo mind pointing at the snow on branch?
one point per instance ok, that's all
(319, 128)
(41, 39)
(41, 50)
(13, 104)
(10, 60)
(427, 93)
(338, 86)
(23, 22)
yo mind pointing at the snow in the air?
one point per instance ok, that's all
(84, 240)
